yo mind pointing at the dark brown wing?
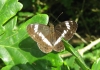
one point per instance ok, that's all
(64, 30)
(41, 34)
(69, 26)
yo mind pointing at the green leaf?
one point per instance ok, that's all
(71, 63)
(96, 65)
(40, 19)
(10, 52)
(7, 67)
(50, 61)
(8, 8)
(79, 59)
(65, 66)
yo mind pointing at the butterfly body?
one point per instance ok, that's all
(49, 38)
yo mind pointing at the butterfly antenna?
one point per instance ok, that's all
(58, 17)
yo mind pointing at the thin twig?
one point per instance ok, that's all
(83, 40)
(83, 50)
(88, 47)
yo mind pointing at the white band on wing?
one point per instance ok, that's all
(36, 28)
(59, 39)
(44, 39)
(67, 24)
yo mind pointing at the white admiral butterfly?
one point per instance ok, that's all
(49, 38)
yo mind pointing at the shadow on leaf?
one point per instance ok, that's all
(37, 65)
(30, 46)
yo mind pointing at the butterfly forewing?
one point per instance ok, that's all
(41, 34)
(64, 30)
(69, 26)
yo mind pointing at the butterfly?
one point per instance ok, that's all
(49, 38)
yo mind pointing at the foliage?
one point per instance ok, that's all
(19, 52)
